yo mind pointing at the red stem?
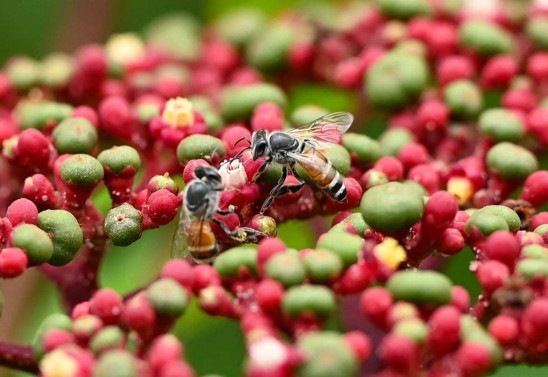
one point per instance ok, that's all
(18, 356)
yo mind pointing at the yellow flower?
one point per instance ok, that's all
(178, 112)
(390, 253)
(461, 188)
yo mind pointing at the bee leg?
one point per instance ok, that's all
(243, 234)
(262, 168)
(275, 191)
(228, 211)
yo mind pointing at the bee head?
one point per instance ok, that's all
(207, 173)
(259, 144)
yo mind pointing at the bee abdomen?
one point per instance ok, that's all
(327, 177)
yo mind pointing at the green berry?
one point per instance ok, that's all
(307, 113)
(286, 268)
(535, 252)
(238, 26)
(167, 297)
(392, 207)
(65, 233)
(231, 261)
(356, 221)
(421, 287)
(509, 215)
(347, 246)
(116, 363)
(34, 242)
(412, 328)
(394, 139)
(81, 170)
(238, 102)
(53, 321)
(199, 146)
(86, 326)
(123, 225)
(36, 114)
(326, 355)
(305, 299)
(464, 98)
(120, 159)
(364, 148)
(537, 30)
(74, 135)
(486, 223)
(322, 265)
(484, 37)
(511, 161)
(533, 268)
(109, 337)
(268, 49)
(23, 72)
(541, 229)
(472, 331)
(164, 181)
(56, 70)
(501, 125)
(205, 107)
(405, 10)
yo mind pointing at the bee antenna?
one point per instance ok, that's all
(242, 139)
(239, 154)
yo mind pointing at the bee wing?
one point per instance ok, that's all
(179, 246)
(311, 160)
(326, 129)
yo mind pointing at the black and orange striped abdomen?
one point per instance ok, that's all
(324, 175)
(201, 241)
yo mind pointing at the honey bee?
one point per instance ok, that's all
(194, 236)
(303, 145)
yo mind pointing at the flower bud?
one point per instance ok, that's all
(34, 242)
(326, 354)
(74, 135)
(200, 146)
(379, 204)
(114, 362)
(421, 287)
(107, 305)
(108, 338)
(286, 268)
(65, 233)
(123, 225)
(167, 297)
(214, 300)
(160, 208)
(306, 299)
(22, 211)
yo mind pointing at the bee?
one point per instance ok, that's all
(303, 145)
(194, 236)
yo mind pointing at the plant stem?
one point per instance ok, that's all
(18, 356)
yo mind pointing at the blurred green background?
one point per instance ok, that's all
(212, 345)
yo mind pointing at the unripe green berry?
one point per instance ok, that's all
(23, 72)
(53, 321)
(345, 245)
(364, 148)
(464, 98)
(412, 328)
(511, 161)
(486, 223)
(34, 242)
(120, 159)
(123, 225)
(238, 26)
(405, 10)
(322, 265)
(81, 170)
(167, 297)
(199, 146)
(472, 331)
(286, 268)
(394, 139)
(109, 337)
(56, 70)
(392, 207)
(74, 135)
(535, 252)
(204, 106)
(508, 214)
(164, 181)
(65, 233)
(304, 299)
(36, 114)
(537, 30)
(356, 221)
(484, 37)
(420, 287)
(238, 102)
(501, 125)
(230, 262)
(268, 49)
(326, 355)
(116, 363)
(307, 113)
(533, 268)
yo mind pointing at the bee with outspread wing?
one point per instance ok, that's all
(194, 236)
(303, 145)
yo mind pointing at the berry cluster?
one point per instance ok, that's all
(453, 100)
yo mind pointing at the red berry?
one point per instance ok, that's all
(235, 134)
(519, 99)
(178, 270)
(267, 248)
(413, 154)
(22, 211)
(444, 330)
(267, 116)
(86, 112)
(188, 172)
(399, 353)
(440, 210)
(164, 349)
(442, 39)
(161, 207)
(454, 68)
(535, 321)
(499, 71)
(390, 166)
(473, 359)
(502, 246)
(460, 298)
(537, 66)
(269, 294)
(175, 368)
(204, 276)
(427, 175)
(539, 219)
(349, 73)
(13, 262)
(450, 242)
(57, 337)
(375, 303)
(504, 329)
(33, 149)
(139, 315)
(115, 114)
(359, 343)
(492, 274)
(80, 310)
(106, 304)
(537, 123)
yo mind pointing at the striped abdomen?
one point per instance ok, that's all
(201, 241)
(322, 172)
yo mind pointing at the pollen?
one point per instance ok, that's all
(390, 252)
(125, 49)
(59, 364)
(232, 173)
(178, 112)
(461, 188)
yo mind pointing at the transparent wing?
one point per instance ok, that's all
(328, 128)
(179, 246)
(308, 160)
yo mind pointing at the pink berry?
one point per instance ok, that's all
(204, 276)
(413, 154)
(444, 330)
(267, 116)
(537, 66)
(178, 270)
(460, 298)
(139, 315)
(492, 274)
(22, 211)
(535, 321)
(375, 303)
(57, 337)
(13, 262)
(503, 247)
(454, 68)
(269, 294)
(399, 353)
(359, 343)
(390, 166)
(473, 359)
(107, 304)
(499, 71)
(161, 207)
(504, 329)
